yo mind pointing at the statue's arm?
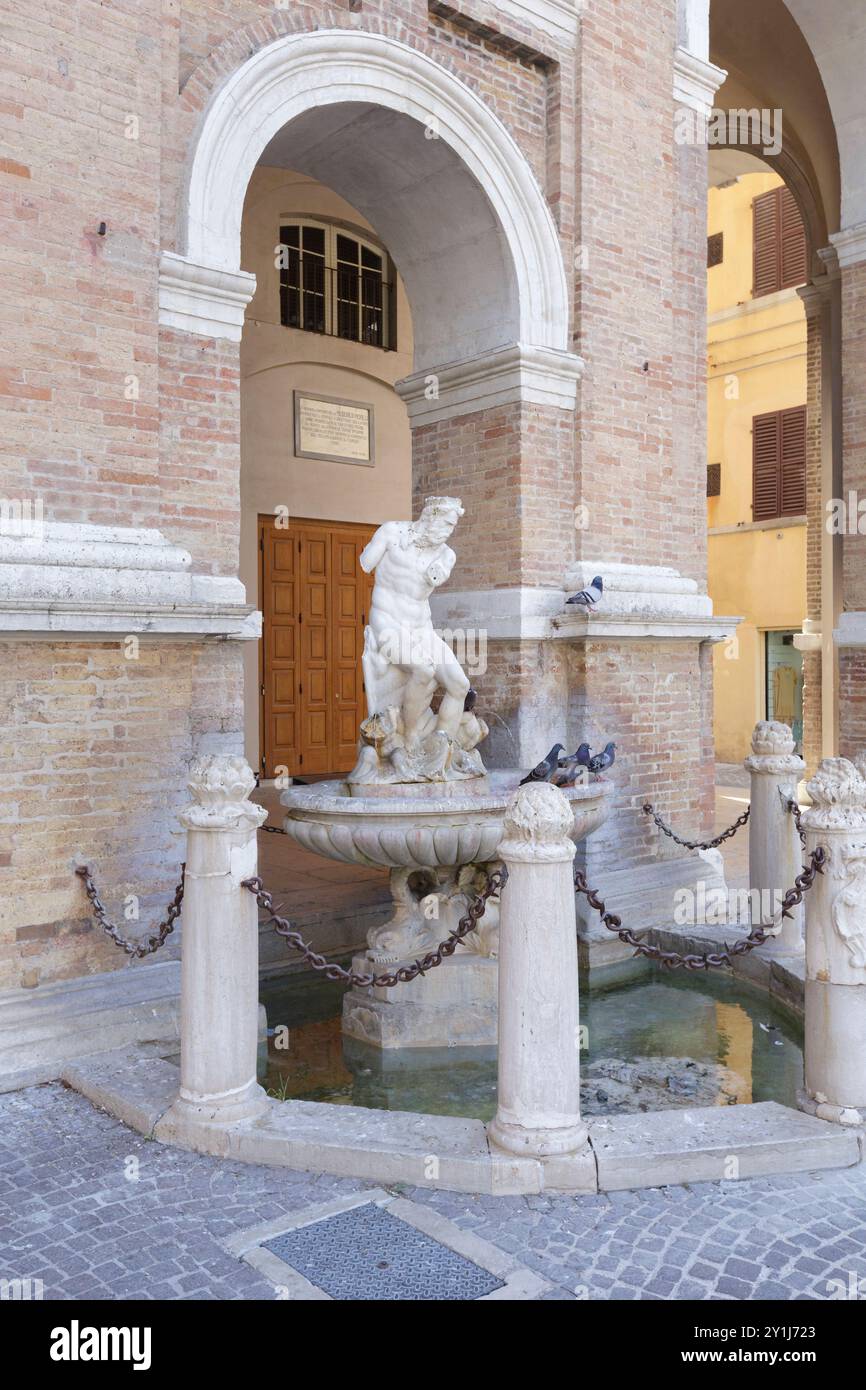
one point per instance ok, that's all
(447, 560)
(376, 547)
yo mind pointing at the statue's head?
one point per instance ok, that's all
(438, 518)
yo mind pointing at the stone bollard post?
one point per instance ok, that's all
(538, 1112)
(219, 961)
(775, 853)
(835, 1023)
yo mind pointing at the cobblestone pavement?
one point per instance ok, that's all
(96, 1211)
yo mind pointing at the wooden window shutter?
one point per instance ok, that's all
(792, 480)
(780, 252)
(765, 466)
(779, 464)
(794, 256)
(766, 241)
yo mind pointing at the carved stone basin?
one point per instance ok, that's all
(419, 832)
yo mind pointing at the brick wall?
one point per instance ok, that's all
(625, 201)
(93, 763)
(852, 702)
(650, 698)
(854, 425)
(513, 466)
(78, 310)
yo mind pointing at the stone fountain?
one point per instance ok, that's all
(420, 802)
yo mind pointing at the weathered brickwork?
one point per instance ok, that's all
(854, 424)
(650, 698)
(513, 466)
(625, 197)
(852, 702)
(80, 112)
(199, 469)
(93, 764)
(817, 322)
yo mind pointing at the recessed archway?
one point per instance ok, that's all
(306, 83)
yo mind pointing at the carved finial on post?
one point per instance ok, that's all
(835, 1024)
(538, 1113)
(775, 856)
(220, 787)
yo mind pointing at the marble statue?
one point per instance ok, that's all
(405, 661)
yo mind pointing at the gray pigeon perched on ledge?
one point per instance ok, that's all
(588, 598)
(600, 761)
(580, 758)
(542, 771)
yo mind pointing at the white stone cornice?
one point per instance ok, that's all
(851, 631)
(203, 299)
(558, 18)
(829, 258)
(850, 245)
(538, 375)
(91, 581)
(814, 296)
(640, 602)
(810, 639)
(696, 81)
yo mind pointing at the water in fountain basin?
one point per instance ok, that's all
(655, 1042)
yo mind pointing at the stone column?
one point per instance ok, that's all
(835, 1032)
(219, 966)
(538, 1113)
(775, 854)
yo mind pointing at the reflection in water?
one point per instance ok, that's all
(753, 1051)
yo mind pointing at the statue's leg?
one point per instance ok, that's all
(416, 698)
(455, 684)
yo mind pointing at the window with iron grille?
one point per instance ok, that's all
(714, 480)
(779, 464)
(335, 283)
(780, 253)
(715, 249)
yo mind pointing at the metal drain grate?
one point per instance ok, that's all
(367, 1254)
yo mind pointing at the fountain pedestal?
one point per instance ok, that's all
(438, 847)
(454, 1005)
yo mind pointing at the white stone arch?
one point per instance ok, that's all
(203, 289)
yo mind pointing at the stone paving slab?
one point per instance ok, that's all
(96, 1211)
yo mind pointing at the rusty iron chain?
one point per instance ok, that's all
(142, 946)
(649, 810)
(405, 973)
(795, 812)
(274, 830)
(709, 960)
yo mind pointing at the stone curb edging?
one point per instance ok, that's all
(625, 1151)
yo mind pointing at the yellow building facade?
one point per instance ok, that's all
(756, 404)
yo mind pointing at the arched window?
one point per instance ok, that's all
(335, 282)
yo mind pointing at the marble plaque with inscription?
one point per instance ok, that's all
(327, 427)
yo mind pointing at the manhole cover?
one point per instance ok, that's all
(365, 1253)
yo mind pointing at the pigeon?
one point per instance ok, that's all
(580, 758)
(588, 598)
(599, 761)
(542, 771)
(566, 775)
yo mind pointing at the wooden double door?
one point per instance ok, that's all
(314, 598)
